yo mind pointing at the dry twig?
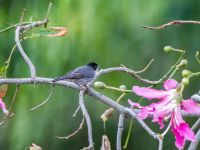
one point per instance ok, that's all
(174, 22)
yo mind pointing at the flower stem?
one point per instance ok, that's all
(167, 129)
(128, 135)
(117, 89)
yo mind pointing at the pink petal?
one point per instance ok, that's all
(159, 120)
(133, 104)
(150, 93)
(144, 113)
(170, 84)
(3, 106)
(185, 131)
(180, 142)
(190, 106)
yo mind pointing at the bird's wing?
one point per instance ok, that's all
(75, 74)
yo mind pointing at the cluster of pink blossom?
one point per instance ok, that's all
(170, 105)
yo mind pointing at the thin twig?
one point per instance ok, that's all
(74, 133)
(13, 26)
(119, 131)
(48, 10)
(76, 111)
(10, 114)
(46, 100)
(87, 117)
(147, 66)
(193, 145)
(125, 70)
(22, 16)
(174, 22)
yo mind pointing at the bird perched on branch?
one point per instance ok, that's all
(81, 75)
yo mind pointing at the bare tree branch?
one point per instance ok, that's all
(87, 118)
(126, 70)
(74, 133)
(196, 125)
(18, 31)
(45, 101)
(119, 131)
(160, 144)
(193, 145)
(196, 98)
(174, 22)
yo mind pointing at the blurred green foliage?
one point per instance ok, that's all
(107, 32)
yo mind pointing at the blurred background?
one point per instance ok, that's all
(107, 32)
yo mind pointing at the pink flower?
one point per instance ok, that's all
(170, 105)
(3, 106)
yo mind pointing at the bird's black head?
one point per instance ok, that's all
(93, 65)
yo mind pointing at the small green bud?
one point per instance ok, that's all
(183, 63)
(168, 49)
(122, 87)
(99, 85)
(185, 73)
(185, 81)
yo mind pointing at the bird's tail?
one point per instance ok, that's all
(59, 78)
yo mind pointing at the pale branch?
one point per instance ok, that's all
(196, 98)
(38, 80)
(76, 111)
(87, 118)
(146, 67)
(120, 130)
(121, 109)
(19, 30)
(174, 22)
(74, 133)
(193, 145)
(125, 70)
(45, 101)
(160, 144)
(91, 92)
(196, 125)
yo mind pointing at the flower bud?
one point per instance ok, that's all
(183, 63)
(99, 85)
(185, 73)
(107, 114)
(185, 81)
(105, 145)
(3, 90)
(122, 87)
(168, 49)
(35, 147)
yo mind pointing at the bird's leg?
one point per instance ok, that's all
(82, 87)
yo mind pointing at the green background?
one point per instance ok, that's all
(107, 32)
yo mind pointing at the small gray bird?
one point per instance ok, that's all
(81, 75)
